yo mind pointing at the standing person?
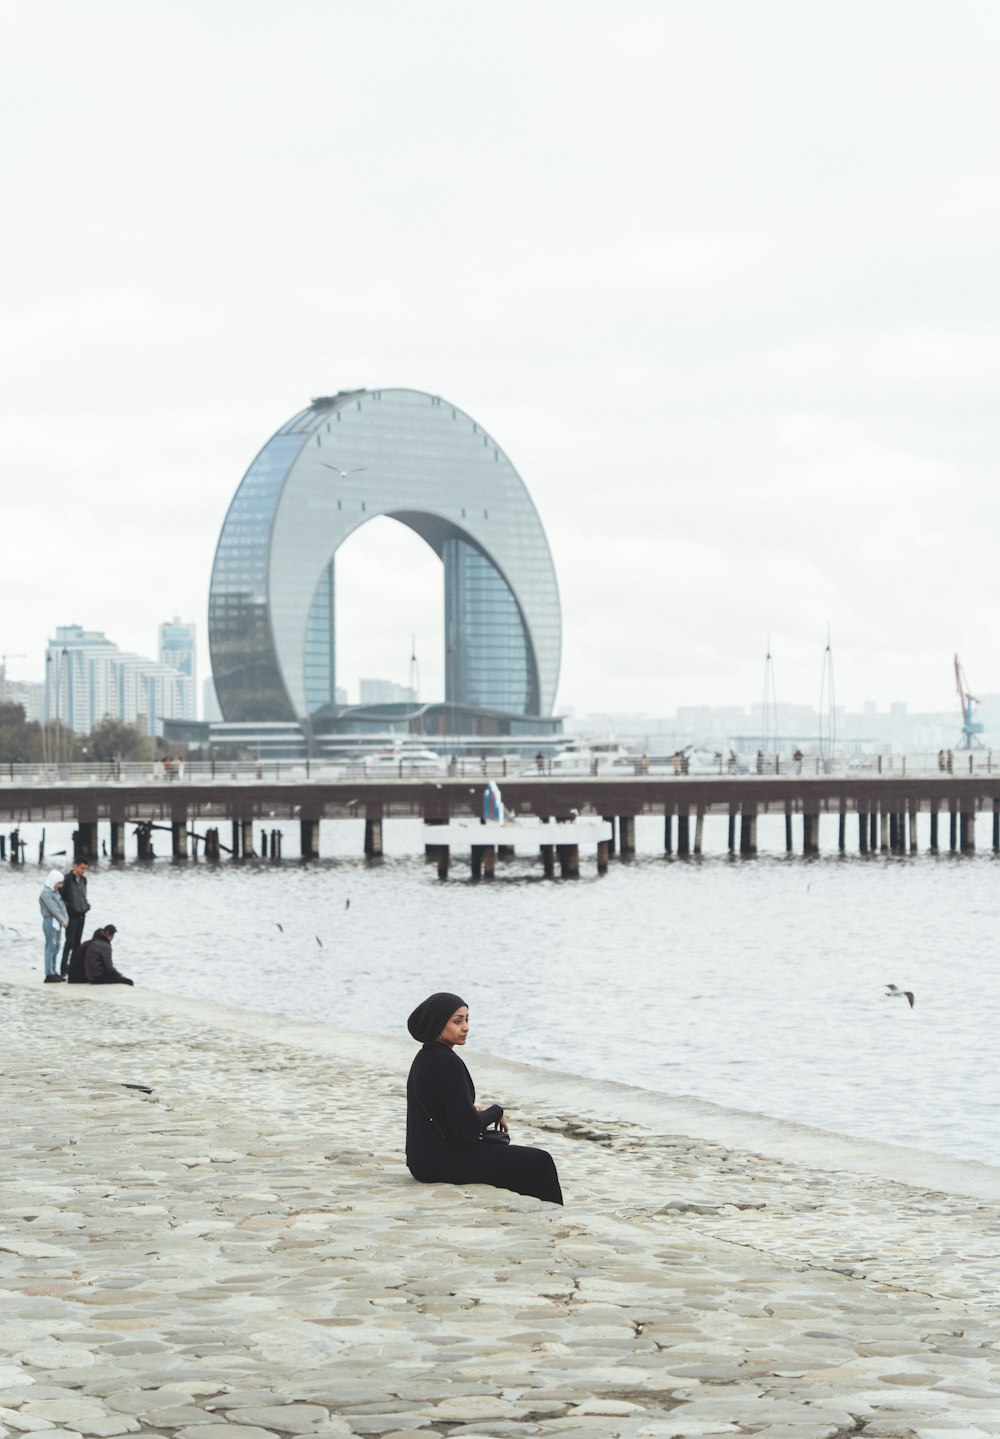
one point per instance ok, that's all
(74, 897)
(98, 966)
(54, 918)
(449, 1138)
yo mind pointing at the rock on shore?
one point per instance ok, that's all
(241, 1254)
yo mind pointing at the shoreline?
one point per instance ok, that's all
(599, 1102)
(239, 1253)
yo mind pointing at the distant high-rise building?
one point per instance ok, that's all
(26, 693)
(87, 677)
(177, 648)
(385, 692)
(210, 710)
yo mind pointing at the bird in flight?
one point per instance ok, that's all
(893, 991)
(358, 470)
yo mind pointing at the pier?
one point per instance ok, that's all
(239, 819)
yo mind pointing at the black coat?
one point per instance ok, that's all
(444, 1132)
(74, 893)
(98, 966)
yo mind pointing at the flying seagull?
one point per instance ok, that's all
(319, 941)
(280, 926)
(358, 469)
(893, 991)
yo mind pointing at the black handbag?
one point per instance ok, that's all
(495, 1136)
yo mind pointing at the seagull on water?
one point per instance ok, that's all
(358, 469)
(892, 991)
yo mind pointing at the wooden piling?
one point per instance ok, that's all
(489, 860)
(842, 830)
(117, 841)
(612, 845)
(569, 860)
(810, 834)
(996, 827)
(873, 829)
(934, 827)
(626, 835)
(602, 856)
(179, 838)
(884, 838)
(699, 828)
(373, 836)
(548, 853)
(443, 857)
(913, 828)
(862, 831)
(748, 832)
(968, 831)
(248, 850)
(237, 850)
(476, 861)
(668, 826)
(789, 844)
(683, 833)
(309, 838)
(731, 836)
(953, 828)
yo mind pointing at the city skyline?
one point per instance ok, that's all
(721, 279)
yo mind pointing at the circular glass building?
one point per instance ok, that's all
(340, 463)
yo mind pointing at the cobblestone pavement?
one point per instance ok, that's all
(241, 1254)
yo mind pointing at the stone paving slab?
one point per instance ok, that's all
(241, 1255)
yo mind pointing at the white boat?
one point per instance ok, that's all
(402, 762)
(596, 757)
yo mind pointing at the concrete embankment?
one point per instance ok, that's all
(241, 1253)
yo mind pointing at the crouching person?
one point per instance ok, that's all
(92, 963)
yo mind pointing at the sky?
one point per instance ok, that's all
(720, 277)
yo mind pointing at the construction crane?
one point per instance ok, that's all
(971, 729)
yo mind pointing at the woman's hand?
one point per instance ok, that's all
(502, 1124)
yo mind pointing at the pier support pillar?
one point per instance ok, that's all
(179, 838)
(212, 844)
(117, 841)
(626, 835)
(247, 827)
(683, 833)
(612, 844)
(968, 831)
(668, 834)
(893, 832)
(263, 844)
(810, 834)
(569, 860)
(953, 830)
(699, 830)
(883, 839)
(913, 829)
(842, 831)
(443, 857)
(144, 841)
(237, 851)
(863, 831)
(934, 827)
(602, 856)
(373, 837)
(789, 844)
(483, 861)
(85, 840)
(505, 851)
(548, 853)
(996, 828)
(748, 832)
(731, 836)
(309, 838)
(430, 850)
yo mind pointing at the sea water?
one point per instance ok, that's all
(758, 983)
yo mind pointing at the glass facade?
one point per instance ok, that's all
(331, 469)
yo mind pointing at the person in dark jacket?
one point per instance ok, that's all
(98, 966)
(74, 897)
(447, 1136)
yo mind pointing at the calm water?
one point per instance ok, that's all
(757, 984)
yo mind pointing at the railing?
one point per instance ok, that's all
(499, 767)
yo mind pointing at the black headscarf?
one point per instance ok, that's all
(428, 1019)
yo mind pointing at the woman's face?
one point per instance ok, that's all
(456, 1031)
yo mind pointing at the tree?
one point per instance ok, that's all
(112, 739)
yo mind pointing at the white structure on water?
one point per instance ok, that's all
(87, 677)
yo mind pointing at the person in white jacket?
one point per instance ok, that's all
(54, 919)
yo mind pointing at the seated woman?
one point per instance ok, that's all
(447, 1137)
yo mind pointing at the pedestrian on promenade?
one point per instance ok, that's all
(74, 897)
(54, 918)
(449, 1138)
(98, 966)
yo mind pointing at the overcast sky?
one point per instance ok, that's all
(721, 278)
